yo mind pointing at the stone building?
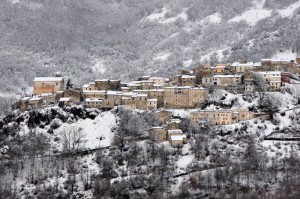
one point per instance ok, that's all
(157, 94)
(158, 134)
(218, 69)
(285, 77)
(89, 86)
(200, 73)
(102, 84)
(24, 102)
(273, 78)
(222, 80)
(48, 85)
(48, 98)
(94, 94)
(173, 124)
(92, 103)
(151, 104)
(221, 117)
(240, 67)
(141, 101)
(188, 80)
(157, 80)
(116, 96)
(115, 85)
(73, 94)
(162, 116)
(184, 97)
(177, 141)
(64, 101)
(35, 103)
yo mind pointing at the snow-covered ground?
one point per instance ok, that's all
(160, 17)
(97, 133)
(258, 12)
(213, 18)
(289, 11)
(161, 56)
(285, 55)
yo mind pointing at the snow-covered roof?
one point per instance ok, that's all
(156, 90)
(270, 72)
(157, 127)
(213, 67)
(35, 98)
(227, 76)
(157, 78)
(25, 98)
(114, 92)
(48, 79)
(177, 137)
(151, 100)
(64, 99)
(142, 95)
(46, 94)
(179, 87)
(93, 100)
(248, 64)
(101, 80)
(133, 84)
(275, 81)
(188, 76)
(257, 64)
(94, 91)
(217, 111)
(175, 131)
(175, 121)
(85, 85)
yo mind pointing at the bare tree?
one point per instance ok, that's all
(72, 138)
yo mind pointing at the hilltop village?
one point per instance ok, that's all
(187, 90)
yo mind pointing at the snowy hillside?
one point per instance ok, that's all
(157, 37)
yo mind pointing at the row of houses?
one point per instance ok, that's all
(170, 131)
(186, 90)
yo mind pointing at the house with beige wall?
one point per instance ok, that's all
(151, 104)
(188, 80)
(177, 141)
(241, 67)
(221, 117)
(47, 85)
(273, 78)
(184, 97)
(92, 103)
(35, 103)
(157, 94)
(94, 94)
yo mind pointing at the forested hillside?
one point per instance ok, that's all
(126, 38)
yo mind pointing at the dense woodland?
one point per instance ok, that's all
(39, 37)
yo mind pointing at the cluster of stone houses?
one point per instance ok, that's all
(187, 90)
(169, 130)
(240, 76)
